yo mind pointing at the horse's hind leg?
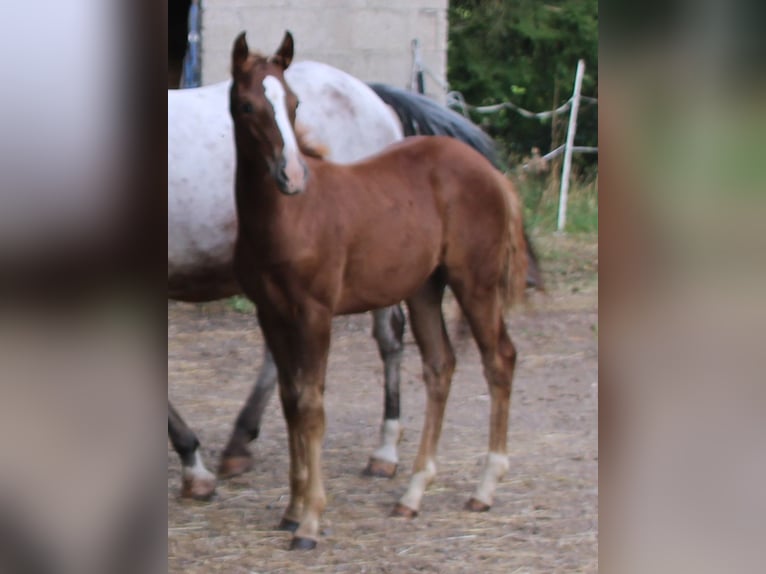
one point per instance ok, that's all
(498, 355)
(198, 481)
(388, 330)
(237, 458)
(438, 365)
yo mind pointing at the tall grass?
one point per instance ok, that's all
(541, 204)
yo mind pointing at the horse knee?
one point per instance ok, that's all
(507, 351)
(448, 366)
(444, 367)
(438, 375)
(499, 365)
(310, 410)
(397, 322)
(503, 356)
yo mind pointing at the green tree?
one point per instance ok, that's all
(525, 51)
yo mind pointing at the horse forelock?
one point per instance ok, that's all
(255, 58)
(243, 74)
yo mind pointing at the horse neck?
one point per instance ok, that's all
(260, 202)
(254, 184)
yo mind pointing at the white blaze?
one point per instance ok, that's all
(294, 168)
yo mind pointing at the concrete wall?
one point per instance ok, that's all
(370, 39)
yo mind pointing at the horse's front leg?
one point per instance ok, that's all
(237, 458)
(388, 330)
(304, 410)
(198, 481)
(300, 347)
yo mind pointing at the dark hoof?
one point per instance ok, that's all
(198, 489)
(288, 525)
(476, 506)
(299, 543)
(380, 468)
(403, 511)
(234, 466)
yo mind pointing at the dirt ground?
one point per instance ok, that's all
(545, 516)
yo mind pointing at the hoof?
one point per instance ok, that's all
(403, 511)
(288, 525)
(198, 489)
(299, 543)
(476, 506)
(234, 466)
(380, 468)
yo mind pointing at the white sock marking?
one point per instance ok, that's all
(389, 437)
(495, 467)
(418, 484)
(198, 471)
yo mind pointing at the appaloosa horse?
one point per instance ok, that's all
(318, 239)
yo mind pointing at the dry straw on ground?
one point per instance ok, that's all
(545, 514)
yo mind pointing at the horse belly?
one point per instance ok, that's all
(202, 285)
(383, 277)
(202, 219)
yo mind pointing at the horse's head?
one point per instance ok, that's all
(263, 109)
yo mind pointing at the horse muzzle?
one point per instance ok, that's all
(291, 176)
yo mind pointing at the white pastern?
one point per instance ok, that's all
(495, 467)
(294, 168)
(418, 484)
(389, 438)
(198, 472)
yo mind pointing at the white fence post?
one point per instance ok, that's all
(567, 167)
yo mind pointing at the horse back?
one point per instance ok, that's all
(443, 173)
(464, 201)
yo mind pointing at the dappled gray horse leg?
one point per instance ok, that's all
(388, 330)
(198, 481)
(237, 457)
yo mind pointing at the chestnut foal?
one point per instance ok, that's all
(318, 239)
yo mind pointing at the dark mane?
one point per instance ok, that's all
(420, 115)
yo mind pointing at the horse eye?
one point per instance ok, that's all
(246, 108)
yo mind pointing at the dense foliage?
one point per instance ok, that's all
(526, 52)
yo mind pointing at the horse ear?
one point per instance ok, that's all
(239, 53)
(284, 54)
